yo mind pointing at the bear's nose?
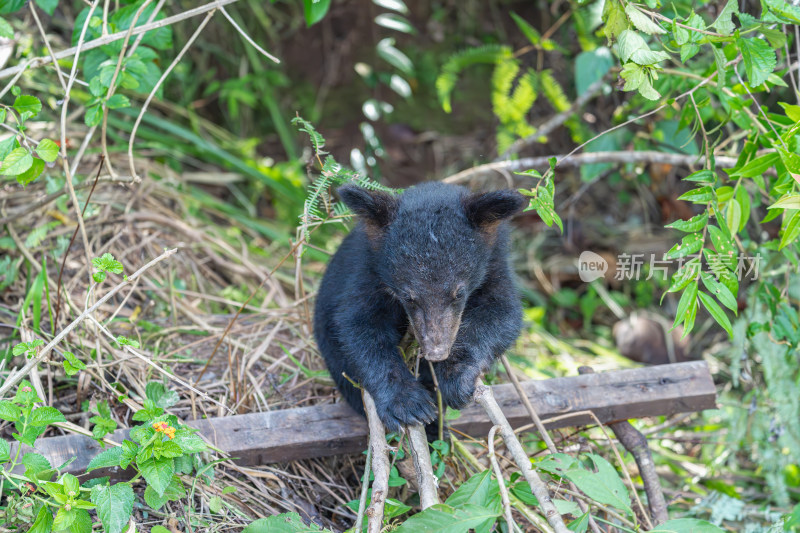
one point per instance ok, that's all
(437, 354)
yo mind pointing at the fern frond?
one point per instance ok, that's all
(446, 82)
(522, 99)
(502, 80)
(317, 140)
(553, 91)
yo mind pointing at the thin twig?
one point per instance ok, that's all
(484, 396)
(421, 457)
(498, 473)
(16, 376)
(380, 465)
(362, 501)
(158, 84)
(248, 38)
(163, 372)
(102, 41)
(49, 48)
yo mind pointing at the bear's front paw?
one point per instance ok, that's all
(412, 405)
(458, 387)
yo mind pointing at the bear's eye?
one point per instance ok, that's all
(460, 294)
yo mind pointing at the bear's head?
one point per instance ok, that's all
(433, 249)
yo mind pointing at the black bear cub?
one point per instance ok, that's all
(434, 259)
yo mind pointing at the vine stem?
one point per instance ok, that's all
(15, 378)
(156, 87)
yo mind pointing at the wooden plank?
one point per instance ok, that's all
(323, 430)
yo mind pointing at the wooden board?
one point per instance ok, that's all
(322, 430)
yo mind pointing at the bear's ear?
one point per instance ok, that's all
(376, 208)
(486, 210)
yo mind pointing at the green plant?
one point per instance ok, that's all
(22, 157)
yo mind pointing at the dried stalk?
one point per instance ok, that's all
(362, 501)
(380, 465)
(500, 481)
(484, 396)
(15, 378)
(426, 481)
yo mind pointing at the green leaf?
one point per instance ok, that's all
(759, 60)
(114, 505)
(616, 21)
(189, 441)
(48, 6)
(157, 473)
(716, 311)
(604, 486)
(642, 21)
(94, 114)
(757, 166)
(175, 491)
(47, 150)
(82, 523)
(527, 30)
(696, 223)
(106, 459)
(476, 491)
(394, 22)
(686, 525)
(722, 242)
(43, 416)
(36, 465)
(7, 32)
(282, 523)
(688, 299)
(30, 175)
(107, 263)
(315, 10)
(17, 162)
(9, 411)
(5, 451)
(789, 201)
(690, 244)
(721, 291)
(441, 518)
(117, 101)
(64, 518)
(700, 195)
(43, 522)
(791, 229)
(723, 23)
(632, 47)
(27, 106)
(387, 51)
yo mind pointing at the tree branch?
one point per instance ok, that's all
(587, 158)
(426, 483)
(44, 60)
(380, 465)
(484, 396)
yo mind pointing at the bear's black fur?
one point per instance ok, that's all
(434, 259)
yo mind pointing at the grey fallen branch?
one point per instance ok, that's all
(484, 396)
(380, 465)
(587, 158)
(15, 377)
(421, 457)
